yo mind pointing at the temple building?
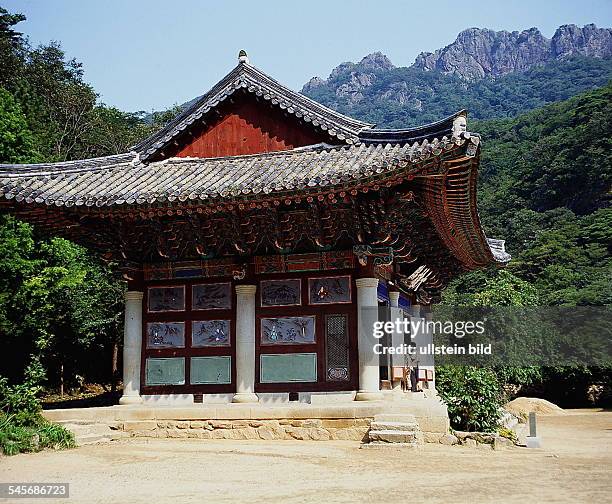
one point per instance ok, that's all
(254, 227)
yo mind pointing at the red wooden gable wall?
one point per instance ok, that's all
(249, 127)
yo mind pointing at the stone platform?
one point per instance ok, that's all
(347, 421)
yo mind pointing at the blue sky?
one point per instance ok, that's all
(150, 54)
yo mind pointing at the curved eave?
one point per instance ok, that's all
(438, 129)
(451, 204)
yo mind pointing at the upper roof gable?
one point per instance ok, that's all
(250, 79)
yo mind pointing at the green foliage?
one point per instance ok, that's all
(63, 119)
(545, 181)
(499, 287)
(508, 434)
(57, 302)
(19, 403)
(473, 397)
(16, 143)
(114, 131)
(559, 156)
(569, 386)
(544, 187)
(492, 287)
(22, 427)
(11, 43)
(402, 97)
(38, 435)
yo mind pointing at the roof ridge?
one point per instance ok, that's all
(101, 161)
(296, 150)
(412, 129)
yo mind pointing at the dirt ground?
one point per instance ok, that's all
(574, 465)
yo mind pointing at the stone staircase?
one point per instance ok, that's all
(394, 430)
(86, 433)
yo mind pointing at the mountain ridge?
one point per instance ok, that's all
(481, 52)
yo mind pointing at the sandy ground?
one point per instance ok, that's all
(575, 465)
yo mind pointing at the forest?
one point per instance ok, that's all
(544, 187)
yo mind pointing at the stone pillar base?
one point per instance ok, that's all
(130, 399)
(365, 395)
(245, 397)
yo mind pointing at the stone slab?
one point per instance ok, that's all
(397, 426)
(389, 446)
(392, 436)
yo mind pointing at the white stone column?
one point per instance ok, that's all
(245, 344)
(429, 365)
(394, 299)
(367, 313)
(397, 338)
(132, 348)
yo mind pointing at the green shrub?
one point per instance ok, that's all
(22, 427)
(54, 436)
(20, 401)
(473, 396)
(40, 434)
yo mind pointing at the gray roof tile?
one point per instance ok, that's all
(124, 179)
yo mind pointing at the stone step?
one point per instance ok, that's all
(74, 422)
(392, 436)
(396, 426)
(88, 439)
(406, 418)
(387, 446)
(416, 396)
(86, 429)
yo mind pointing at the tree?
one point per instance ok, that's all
(59, 305)
(16, 142)
(493, 287)
(11, 48)
(114, 131)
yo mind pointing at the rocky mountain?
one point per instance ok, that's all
(362, 74)
(479, 52)
(492, 74)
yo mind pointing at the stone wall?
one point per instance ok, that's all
(306, 429)
(484, 440)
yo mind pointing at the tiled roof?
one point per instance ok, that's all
(365, 155)
(252, 80)
(124, 179)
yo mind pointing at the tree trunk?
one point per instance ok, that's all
(62, 379)
(115, 371)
